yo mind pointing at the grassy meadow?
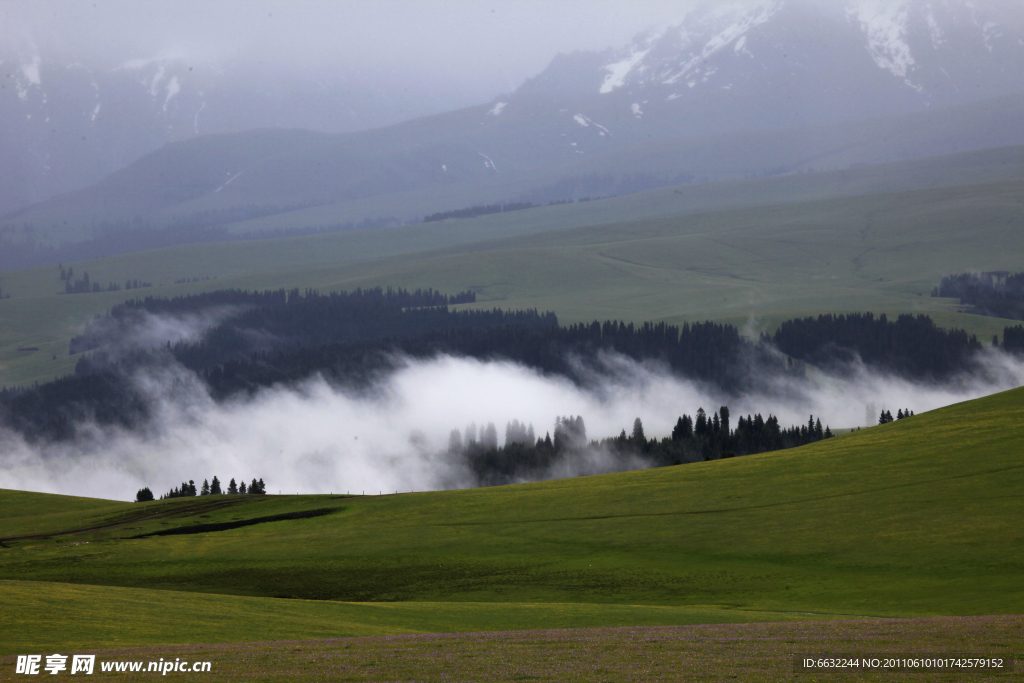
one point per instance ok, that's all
(918, 518)
(764, 652)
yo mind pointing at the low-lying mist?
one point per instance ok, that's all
(317, 438)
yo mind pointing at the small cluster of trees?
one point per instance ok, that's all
(87, 286)
(1013, 339)
(136, 284)
(213, 488)
(84, 285)
(886, 416)
(996, 293)
(257, 487)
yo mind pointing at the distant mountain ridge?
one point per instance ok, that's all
(734, 91)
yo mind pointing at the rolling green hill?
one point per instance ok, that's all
(752, 253)
(920, 517)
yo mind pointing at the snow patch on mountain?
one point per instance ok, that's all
(935, 31)
(488, 162)
(154, 85)
(195, 121)
(618, 71)
(230, 180)
(728, 36)
(580, 119)
(497, 109)
(173, 88)
(989, 33)
(885, 27)
(31, 70)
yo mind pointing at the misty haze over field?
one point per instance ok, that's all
(127, 127)
(394, 436)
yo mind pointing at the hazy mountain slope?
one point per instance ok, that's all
(428, 165)
(65, 124)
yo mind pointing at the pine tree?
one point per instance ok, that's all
(638, 433)
(724, 412)
(206, 488)
(215, 487)
(144, 495)
(232, 487)
(191, 488)
(241, 487)
(263, 489)
(254, 487)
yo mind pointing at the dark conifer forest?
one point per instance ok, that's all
(911, 346)
(253, 340)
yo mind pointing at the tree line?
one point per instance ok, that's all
(188, 488)
(478, 210)
(286, 318)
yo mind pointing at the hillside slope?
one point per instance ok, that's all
(399, 174)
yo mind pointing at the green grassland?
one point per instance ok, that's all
(656, 255)
(87, 617)
(920, 517)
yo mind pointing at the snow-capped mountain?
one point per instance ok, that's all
(732, 66)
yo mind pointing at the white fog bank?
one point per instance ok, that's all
(320, 439)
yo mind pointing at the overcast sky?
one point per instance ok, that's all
(478, 41)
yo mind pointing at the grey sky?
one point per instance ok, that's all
(493, 42)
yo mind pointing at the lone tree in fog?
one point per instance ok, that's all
(215, 487)
(143, 495)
